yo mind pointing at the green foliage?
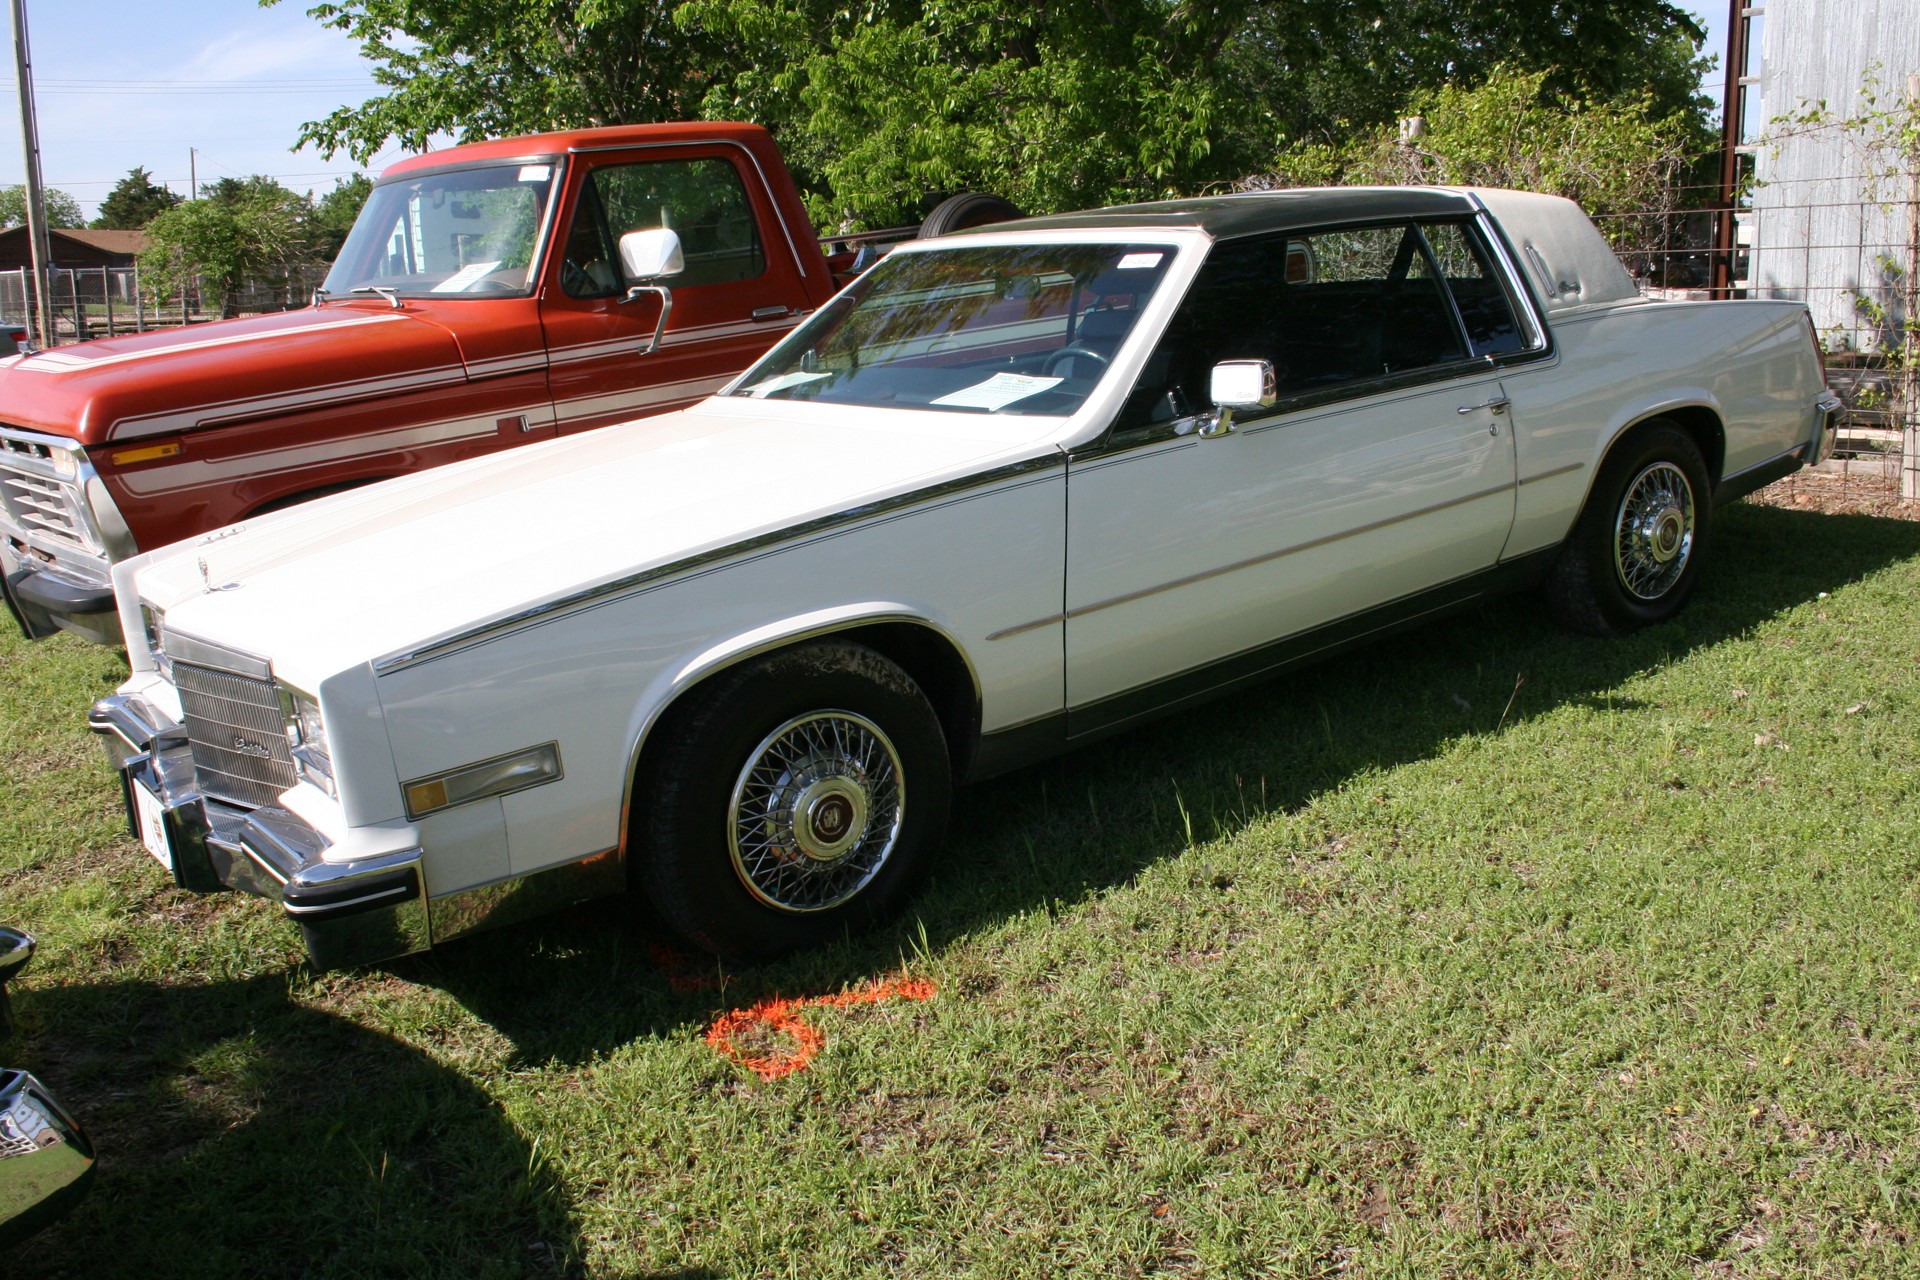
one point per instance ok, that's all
(494, 69)
(1084, 101)
(243, 230)
(334, 213)
(62, 209)
(134, 202)
(1514, 130)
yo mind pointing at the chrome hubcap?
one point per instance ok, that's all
(817, 811)
(1653, 537)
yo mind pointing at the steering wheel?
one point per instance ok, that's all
(1073, 352)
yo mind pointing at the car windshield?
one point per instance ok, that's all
(458, 232)
(1005, 328)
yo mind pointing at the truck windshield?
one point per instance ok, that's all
(1006, 328)
(458, 232)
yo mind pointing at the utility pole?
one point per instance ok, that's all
(36, 200)
(193, 173)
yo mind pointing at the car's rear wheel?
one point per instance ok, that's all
(796, 798)
(1634, 555)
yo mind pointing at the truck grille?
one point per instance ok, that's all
(35, 500)
(46, 506)
(238, 734)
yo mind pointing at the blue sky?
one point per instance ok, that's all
(121, 83)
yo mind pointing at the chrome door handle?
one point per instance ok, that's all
(1498, 404)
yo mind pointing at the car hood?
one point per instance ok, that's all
(347, 579)
(173, 380)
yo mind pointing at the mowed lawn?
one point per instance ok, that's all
(1488, 951)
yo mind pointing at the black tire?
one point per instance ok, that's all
(968, 209)
(1634, 555)
(852, 755)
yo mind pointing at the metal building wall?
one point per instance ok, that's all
(1821, 230)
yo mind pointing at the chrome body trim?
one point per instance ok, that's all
(1826, 427)
(516, 898)
(1569, 469)
(773, 540)
(182, 647)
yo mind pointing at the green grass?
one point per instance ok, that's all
(1488, 951)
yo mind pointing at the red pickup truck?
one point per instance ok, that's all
(489, 295)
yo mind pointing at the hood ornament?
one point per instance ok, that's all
(206, 580)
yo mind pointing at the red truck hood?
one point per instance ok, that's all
(156, 384)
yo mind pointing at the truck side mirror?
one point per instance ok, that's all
(648, 255)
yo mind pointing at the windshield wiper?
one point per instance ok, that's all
(391, 294)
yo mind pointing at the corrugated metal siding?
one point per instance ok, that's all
(1820, 233)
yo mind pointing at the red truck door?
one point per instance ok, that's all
(740, 291)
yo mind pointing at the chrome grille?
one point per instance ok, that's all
(239, 736)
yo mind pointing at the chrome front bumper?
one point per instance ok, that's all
(46, 1161)
(350, 912)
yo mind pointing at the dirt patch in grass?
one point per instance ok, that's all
(1852, 492)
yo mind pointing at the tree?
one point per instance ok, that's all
(1055, 105)
(134, 202)
(479, 70)
(245, 230)
(333, 215)
(62, 209)
(1616, 158)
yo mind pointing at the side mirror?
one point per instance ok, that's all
(1237, 384)
(648, 255)
(1243, 384)
(16, 948)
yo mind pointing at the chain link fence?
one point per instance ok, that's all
(102, 302)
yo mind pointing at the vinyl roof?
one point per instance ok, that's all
(1254, 212)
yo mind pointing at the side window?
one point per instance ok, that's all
(1323, 308)
(703, 200)
(1486, 311)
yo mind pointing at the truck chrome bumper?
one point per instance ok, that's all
(351, 912)
(42, 603)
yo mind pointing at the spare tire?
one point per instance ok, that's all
(968, 209)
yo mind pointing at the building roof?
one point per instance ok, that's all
(129, 242)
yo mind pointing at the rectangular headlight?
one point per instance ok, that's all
(307, 737)
(496, 777)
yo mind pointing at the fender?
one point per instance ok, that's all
(676, 681)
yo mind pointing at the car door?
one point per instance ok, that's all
(1384, 469)
(738, 293)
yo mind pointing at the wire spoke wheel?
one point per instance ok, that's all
(817, 811)
(1654, 531)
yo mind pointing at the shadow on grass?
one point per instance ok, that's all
(242, 1134)
(571, 986)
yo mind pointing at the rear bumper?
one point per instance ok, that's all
(350, 911)
(1826, 428)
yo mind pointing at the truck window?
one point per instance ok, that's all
(703, 200)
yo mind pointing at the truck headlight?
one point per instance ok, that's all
(307, 737)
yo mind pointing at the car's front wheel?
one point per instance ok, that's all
(1634, 555)
(797, 797)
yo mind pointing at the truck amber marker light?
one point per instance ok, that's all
(146, 453)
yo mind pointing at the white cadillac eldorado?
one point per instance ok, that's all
(1010, 491)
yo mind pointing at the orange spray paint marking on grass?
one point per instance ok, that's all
(681, 972)
(782, 1018)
